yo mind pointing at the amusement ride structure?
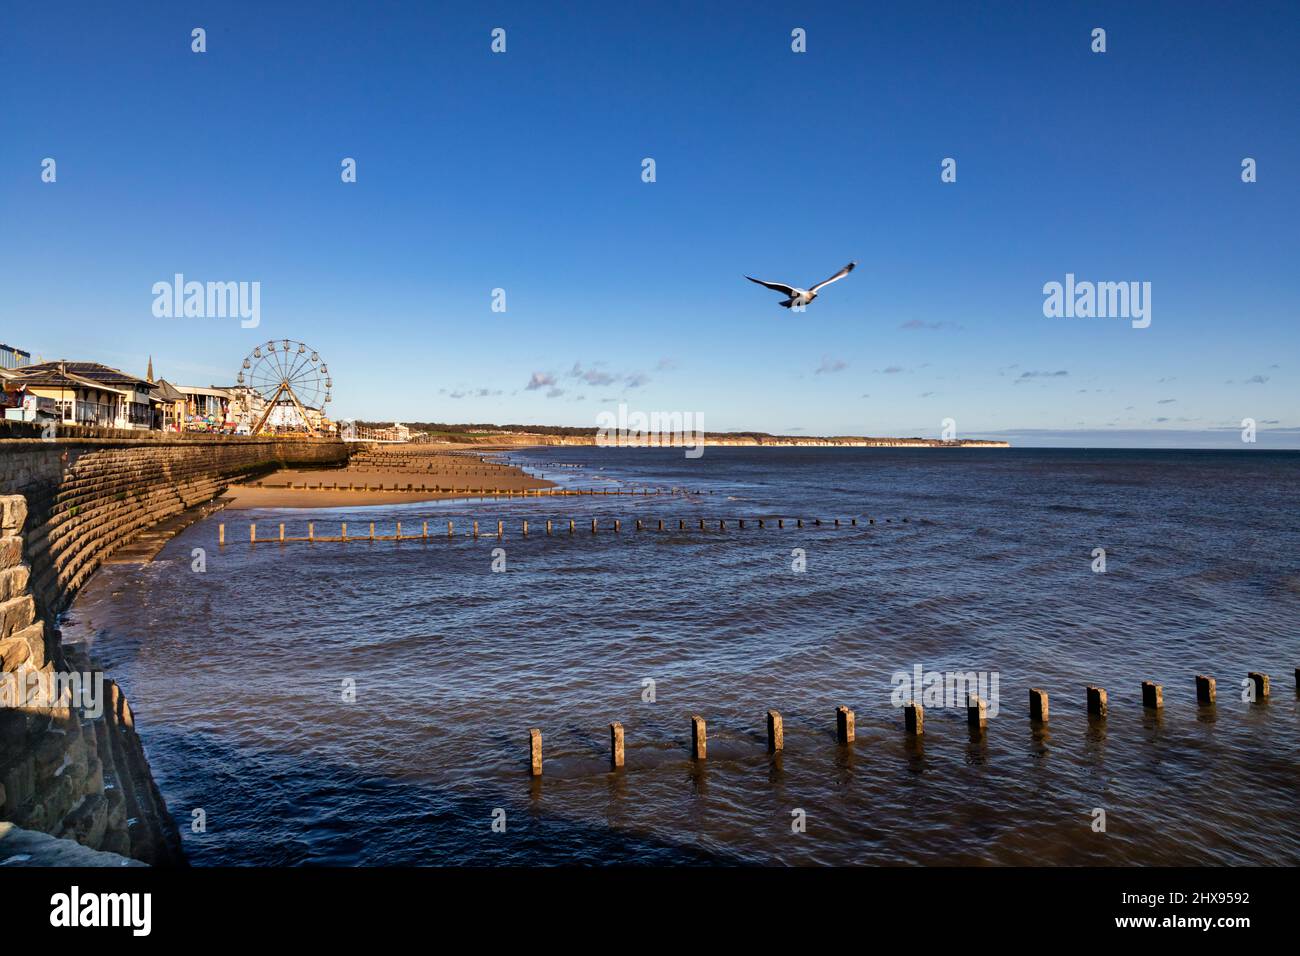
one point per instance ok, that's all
(285, 386)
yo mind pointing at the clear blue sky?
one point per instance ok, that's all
(523, 171)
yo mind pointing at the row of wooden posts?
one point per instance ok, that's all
(913, 718)
(616, 526)
(479, 492)
(430, 463)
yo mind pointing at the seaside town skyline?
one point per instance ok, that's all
(284, 387)
(92, 395)
(481, 279)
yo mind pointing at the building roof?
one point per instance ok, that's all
(85, 374)
(167, 392)
(53, 378)
(206, 390)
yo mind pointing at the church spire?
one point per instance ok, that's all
(149, 374)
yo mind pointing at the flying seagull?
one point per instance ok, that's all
(798, 298)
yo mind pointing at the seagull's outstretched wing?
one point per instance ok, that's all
(835, 278)
(774, 286)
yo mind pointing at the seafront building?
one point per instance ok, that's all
(11, 358)
(171, 406)
(395, 432)
(79, 393)
(207, 408)
(94, 394)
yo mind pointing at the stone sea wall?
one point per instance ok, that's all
(66, 503)
(86, 494)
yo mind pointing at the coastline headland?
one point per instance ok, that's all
(514, 436)
(786, 441)
(722, 441)
(71, 762)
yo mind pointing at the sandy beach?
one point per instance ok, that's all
(383, 476)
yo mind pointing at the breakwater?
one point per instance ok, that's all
(452, 489)
(71, 763)
(548, 526)
(1151, 701)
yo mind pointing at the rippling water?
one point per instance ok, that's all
(236, 674)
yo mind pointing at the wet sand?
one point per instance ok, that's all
(389, 475)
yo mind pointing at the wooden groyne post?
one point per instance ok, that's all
(1205, 690)
(616, 745)
(1261, 685)
(1038, 705)
(914, 718)
(535, 752)
(845, 732)
(699, 738)
(1096, 702)
(977, 717)
(775, 732)
(1153, 695)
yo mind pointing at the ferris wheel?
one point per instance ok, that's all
(286, 381)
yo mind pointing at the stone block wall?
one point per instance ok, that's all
(65, 505)
(89, 493)
(64, 769)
